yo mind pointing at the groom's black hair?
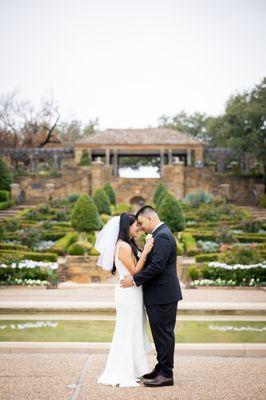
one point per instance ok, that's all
(143, 210)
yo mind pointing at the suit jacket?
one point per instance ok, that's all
(159, 278)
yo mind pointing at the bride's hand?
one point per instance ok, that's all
(148, 246)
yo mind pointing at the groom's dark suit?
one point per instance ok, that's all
(161, 292)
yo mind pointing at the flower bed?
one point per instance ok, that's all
(28, 272)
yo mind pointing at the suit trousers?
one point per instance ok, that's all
(162, 318)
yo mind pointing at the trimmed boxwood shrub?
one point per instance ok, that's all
(85, 216)
(6, 204)
(60, 247)
(102, 202)
(10, 246)
(110, 193)
(53, 235)
(171, 213)
(76, 249)
(206, 257)
(30, 255)
(190, 244)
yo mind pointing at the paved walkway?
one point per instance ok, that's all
(74, 377)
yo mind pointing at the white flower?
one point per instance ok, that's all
(148, 237)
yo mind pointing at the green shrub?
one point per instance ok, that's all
(105, 218)
(193, 273)
(196, 198)
(91, 237)
(158, 194)
(224, 234)
(76, 249)
(120, 208)
(29, 237)
(206, 257)
(50, 235)
(85, 158)
(4, 195)
(240, 255)
(73, 197)
(6, 204)
(110, 193)
(251, 226)
(180, 248)
(85, 216)
(190, 244)
(5, 176)
(94, 252)
(62, 244)
(30, 255)
(262, 201)
(171, 213)
(11, 246)
(102, 202)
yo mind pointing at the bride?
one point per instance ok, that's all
(127, 360)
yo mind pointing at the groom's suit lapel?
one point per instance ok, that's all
(157, 230)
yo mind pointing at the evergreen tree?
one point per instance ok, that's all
(110, 193)
(102, 202)
(159, 193)
(85, 216)
(171, 213)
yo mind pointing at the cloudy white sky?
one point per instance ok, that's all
(129, 61)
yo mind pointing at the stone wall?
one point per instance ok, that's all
(179, 180)
(73, 179)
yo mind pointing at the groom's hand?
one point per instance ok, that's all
(126, 282)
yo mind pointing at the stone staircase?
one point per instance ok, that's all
(256, 212)
(13, 211)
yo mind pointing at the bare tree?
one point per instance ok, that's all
(21, 124)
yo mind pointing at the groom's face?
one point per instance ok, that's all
(144, 223)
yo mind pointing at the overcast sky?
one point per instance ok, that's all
(129, 61)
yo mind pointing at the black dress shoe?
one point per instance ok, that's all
(159, 381)
(151, 375)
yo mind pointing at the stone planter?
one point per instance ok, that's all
(82, 269)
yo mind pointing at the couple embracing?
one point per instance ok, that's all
(145, 278)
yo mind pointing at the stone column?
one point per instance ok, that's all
(15, 190)
(107, 156)
(188, 156)
(199, 156)
(170, 156)
(162, 162)
(32, 163)
(115, 162)
(78, 154)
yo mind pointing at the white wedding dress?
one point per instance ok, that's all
(127, 359)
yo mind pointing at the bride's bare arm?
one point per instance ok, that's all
(125, 255)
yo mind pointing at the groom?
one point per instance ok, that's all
(161, 293)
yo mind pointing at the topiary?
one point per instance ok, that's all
(85, 216)
(5, 176)
(76, 249)
(102, 202)
(171, 213)
(158, 194)
(110, 193)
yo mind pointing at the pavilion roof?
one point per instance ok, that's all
(148, 136)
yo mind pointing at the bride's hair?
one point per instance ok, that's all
(126, 220)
